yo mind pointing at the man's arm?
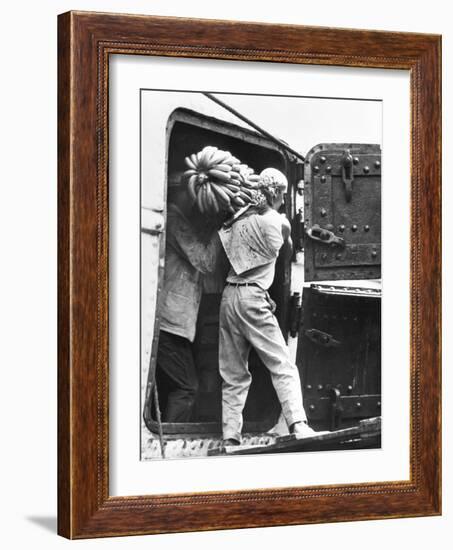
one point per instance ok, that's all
(286, 234)
(286, 228)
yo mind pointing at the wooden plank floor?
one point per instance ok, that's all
(365, 435)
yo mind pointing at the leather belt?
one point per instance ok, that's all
(243, 284)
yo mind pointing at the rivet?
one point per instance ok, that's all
(316, 168)
(323, 212)
(366, 228)
(312, 407)
(349, 388)
(323, 179)
(358, 405)
(338, 256)
(308, 387)
(378, 403)
(320, 387)
(377, 164)
(366, 169)
(373, 254)
(354, 227)
(341, 228)
(355, 160)
(328, 168)
(322, 160)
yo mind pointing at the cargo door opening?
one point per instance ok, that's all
(189, 132)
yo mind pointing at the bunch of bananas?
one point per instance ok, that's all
(218, 182)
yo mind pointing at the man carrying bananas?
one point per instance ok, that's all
(252, 244)
(189, 254)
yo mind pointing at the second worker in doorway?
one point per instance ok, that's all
(189, 255)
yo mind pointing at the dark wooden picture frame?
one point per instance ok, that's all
(85, 42)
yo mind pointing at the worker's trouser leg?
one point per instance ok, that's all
(176, 370)
(246, 320)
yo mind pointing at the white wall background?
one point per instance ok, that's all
(28, 122)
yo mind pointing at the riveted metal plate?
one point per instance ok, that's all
(367, 164)
(352, 368)
(350, 210)
(353, 406)
(351, 254)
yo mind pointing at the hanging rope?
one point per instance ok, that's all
(159, 419)
(255, 126)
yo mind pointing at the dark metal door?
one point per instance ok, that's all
(339, 354)
(342, 198)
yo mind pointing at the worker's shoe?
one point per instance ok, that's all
(230, 442)
(302, 429)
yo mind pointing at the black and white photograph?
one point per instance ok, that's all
(225, 246)
(260, 274)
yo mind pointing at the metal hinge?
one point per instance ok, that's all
(322, 338)
(347, 174)
(324, 236)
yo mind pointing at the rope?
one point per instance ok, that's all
(159, 419)
(255, 126)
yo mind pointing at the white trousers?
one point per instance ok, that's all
(246, 320)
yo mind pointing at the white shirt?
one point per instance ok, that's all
(252, 247)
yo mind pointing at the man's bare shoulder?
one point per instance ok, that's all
(271, 220)
(271, 227)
